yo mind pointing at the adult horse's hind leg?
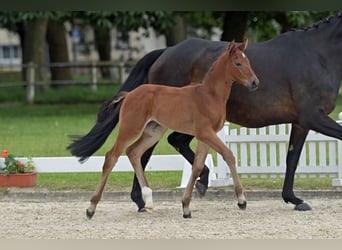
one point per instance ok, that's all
(152, 133)
(319, 122)
(200, 156)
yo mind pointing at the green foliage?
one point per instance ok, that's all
(263, 25)
(9, 19)
(162, 21)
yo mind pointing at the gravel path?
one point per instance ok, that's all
(215, 219)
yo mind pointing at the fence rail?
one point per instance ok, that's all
(92, 70)
(262, 152)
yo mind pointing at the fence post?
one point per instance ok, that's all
(121, 72)
(338, 181)
(30, 78)
(93, 85)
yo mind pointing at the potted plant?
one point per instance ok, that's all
(15, 173)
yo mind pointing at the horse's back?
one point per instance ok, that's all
(176, 66)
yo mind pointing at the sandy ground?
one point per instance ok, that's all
(215, 219)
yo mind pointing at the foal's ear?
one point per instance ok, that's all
(244, 44)
(231, 47)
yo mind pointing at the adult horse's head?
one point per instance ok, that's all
(239, 66)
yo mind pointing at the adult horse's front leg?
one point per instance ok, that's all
(136, 195)
(181, 142)
(201, 154)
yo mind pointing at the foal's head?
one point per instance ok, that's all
(239, 67)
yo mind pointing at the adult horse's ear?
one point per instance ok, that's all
(244, 44)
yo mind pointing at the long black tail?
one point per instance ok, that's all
(108, 116)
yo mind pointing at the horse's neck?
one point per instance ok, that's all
(217, 81)
(325, 40)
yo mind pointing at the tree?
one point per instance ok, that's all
(58, 51)
(102, 22)
(34, 46)
(177, 32)
(234, 25)
(34, 30)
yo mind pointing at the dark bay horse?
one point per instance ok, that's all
(299, 72)
(188, 109)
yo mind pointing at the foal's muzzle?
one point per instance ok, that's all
(253, 85)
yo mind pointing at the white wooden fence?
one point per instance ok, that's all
(262, 152)
(258, 152)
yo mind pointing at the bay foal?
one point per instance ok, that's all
(198, 109)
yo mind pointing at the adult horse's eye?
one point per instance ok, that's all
(238, 64)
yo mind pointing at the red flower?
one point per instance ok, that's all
(20, 164)
(4, 153)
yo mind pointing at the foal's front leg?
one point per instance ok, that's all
(197, 167)
(215, 143)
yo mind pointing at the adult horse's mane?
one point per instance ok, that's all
(317, 25)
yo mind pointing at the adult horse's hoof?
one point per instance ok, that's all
(243, 206)
(90, 214)
(200, 188)
(142, 210)
(303, 207)
(187, 216)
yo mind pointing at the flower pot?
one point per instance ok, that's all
(18, 180)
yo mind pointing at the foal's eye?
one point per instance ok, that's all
(238, 64)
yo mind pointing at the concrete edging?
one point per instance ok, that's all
(53, 196)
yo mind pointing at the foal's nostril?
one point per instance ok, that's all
(253, 86)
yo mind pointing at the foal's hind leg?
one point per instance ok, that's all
(110, 161)
(197, 167)
(210, 138)
(152, 133)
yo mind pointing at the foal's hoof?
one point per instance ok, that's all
(149, 209)
(303, 207)
(243, 206)
(187, 216)
(90, 214)
(200, 188)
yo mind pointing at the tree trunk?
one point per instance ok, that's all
(102, 41)
(234, 25)
(58, 51)
(21, 32)
(281, 18)
(35, 47)
(177, 33)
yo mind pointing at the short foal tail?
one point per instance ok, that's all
(108, 116)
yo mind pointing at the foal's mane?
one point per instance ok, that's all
(317, 25)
